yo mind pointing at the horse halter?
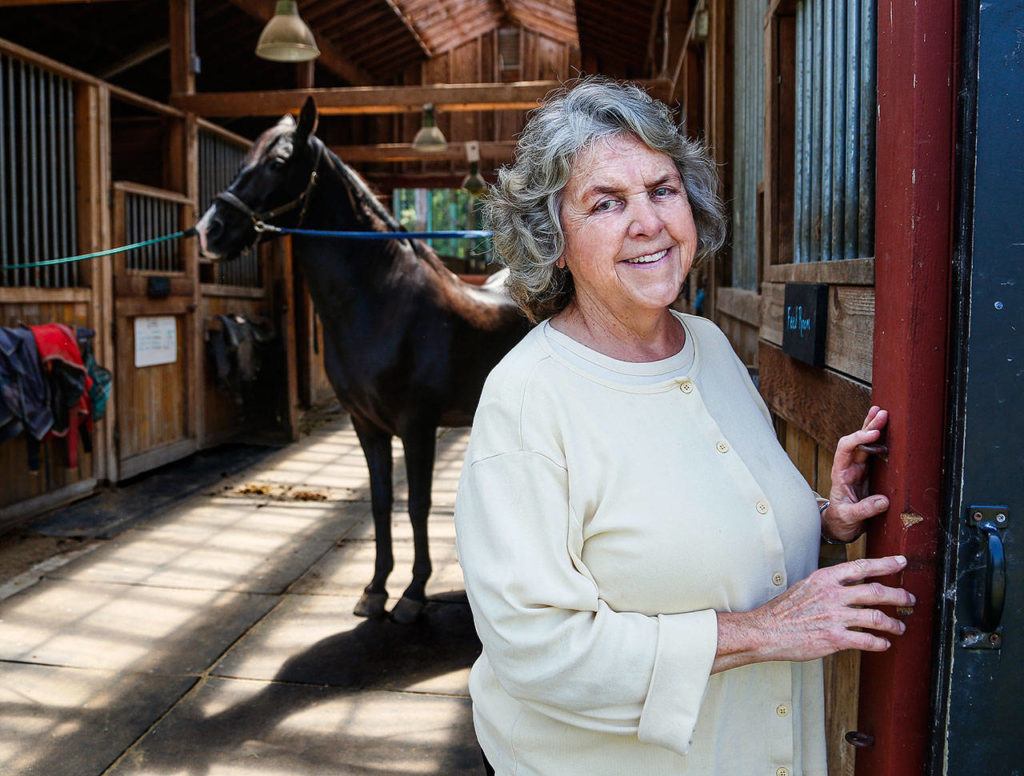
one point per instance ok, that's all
(259, 220)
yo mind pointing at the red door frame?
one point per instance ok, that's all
(917, 44)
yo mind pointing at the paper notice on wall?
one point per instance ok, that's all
(156, 340)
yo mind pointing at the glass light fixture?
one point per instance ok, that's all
(429, 139)
(286, 38)
(474, 183)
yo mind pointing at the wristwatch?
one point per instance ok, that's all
(823, 504)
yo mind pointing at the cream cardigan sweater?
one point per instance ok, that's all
(600, 526)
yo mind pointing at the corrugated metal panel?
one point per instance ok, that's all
(219, 163)
(38, 220)
(835, 130)
(748, 143)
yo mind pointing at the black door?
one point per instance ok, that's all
(978, 722)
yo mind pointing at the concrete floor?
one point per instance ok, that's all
(216, 638)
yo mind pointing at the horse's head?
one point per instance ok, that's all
(273, 186)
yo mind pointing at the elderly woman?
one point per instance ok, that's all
(639, 552)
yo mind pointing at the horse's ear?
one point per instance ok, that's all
(307, 120)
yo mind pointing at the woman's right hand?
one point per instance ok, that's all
(827, 612)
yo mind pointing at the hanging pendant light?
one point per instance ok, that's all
(474, 183)
(286, 38)
(429, 139)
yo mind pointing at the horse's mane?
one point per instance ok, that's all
(363, 194)
(371, 205)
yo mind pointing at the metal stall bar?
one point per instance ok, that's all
(825, 138)
(866, 169)
(47, 182)
(839, 171)
(5, 230)
(852, 139)
(23, 159)
(817, 28)
(799, 219)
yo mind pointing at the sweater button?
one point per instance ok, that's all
(686, 386)
(723, 447)
(778, 579)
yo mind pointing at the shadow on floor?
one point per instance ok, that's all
(321, 714)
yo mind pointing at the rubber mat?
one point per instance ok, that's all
(109, 511)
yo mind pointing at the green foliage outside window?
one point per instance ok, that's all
(442, 210)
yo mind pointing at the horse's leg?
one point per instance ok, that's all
(419, 467)
(376, 446)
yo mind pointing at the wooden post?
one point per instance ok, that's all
(183, 175)
(287, 306)
(92, 195)
(718, 120)
(913, 195)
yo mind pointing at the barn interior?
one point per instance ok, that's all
(120, 120)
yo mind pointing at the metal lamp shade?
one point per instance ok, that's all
(286, 38)
(429, 138)
(474, 182)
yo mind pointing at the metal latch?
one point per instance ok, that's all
(990, 591)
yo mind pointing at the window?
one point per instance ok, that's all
(430, 210)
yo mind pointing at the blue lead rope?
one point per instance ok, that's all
(457, 235)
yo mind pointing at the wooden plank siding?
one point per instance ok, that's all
(33, 307)
(219, 409)
(155, 414)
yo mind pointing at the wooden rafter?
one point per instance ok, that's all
(498, 150)
(368, 100)
(330, 57)
(412, 30)
(16, 3)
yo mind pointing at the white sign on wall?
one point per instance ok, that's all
(156, 340)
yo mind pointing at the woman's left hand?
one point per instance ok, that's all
(850, 504)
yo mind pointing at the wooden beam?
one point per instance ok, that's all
(370, 100)
(330, 58)
(843, 272)
(181, 23)
(137, 57)
(386, 183)
(412, 30)
(16, 3)
(917, 52)
(824, 404)
(499, 150)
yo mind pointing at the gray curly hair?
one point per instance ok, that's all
(523, 207)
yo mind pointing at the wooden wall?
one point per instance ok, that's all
(157, 413)
(21, 487)
(220, 410)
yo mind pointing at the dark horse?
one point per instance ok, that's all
(407, 345)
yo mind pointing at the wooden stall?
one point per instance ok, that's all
(114, 168)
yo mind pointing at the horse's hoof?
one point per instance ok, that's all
(372, 606)
(407, 611)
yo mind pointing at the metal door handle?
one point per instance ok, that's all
(995, 578)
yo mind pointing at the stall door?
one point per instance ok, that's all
(154, 315)
(979, 710)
